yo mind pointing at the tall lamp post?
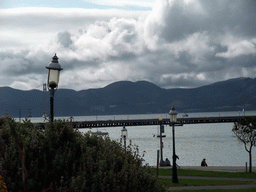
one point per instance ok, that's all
(173, 120)
(53, 80)
(124, 135)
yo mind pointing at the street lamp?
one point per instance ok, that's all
(53, 80)
(162, 163)
(124, 135)
(173, 120)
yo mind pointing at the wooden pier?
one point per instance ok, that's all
(144, 122)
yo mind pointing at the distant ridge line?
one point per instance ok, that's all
(126, 97)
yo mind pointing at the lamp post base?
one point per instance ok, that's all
(174, 174)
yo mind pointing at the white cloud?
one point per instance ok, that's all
(236, 48)
(27, 26)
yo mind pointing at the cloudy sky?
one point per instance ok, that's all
(171, 43)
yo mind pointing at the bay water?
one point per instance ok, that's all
(214, 141)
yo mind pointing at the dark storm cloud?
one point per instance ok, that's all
(17, 64)
(238, 15)
(64, 38)
(216, 17)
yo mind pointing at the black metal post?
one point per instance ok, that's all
(125, 142)
(174, 166)
(161, 148)
(51, 104)
(157, 163)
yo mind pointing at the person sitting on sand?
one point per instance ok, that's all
(203, 163)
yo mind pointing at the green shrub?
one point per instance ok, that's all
(60, 158)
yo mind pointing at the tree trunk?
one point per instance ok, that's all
(250, 161)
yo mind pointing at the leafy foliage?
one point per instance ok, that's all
(60, 158)
(3, 187)
(246, 131)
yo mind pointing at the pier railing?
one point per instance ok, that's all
(144, 122)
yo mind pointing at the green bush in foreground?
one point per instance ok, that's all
(62, 159)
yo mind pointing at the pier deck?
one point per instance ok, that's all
(144, 122)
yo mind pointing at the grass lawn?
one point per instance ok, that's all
(200, 182)
(206, 182)
(183, 172)
(218, 190)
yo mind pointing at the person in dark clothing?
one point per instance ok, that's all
(167, 162)
(203, 163)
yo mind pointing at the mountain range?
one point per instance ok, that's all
(125, 97)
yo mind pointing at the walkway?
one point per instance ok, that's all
(219, 168)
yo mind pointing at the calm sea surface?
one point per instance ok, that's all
(214, 142)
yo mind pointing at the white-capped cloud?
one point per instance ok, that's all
(180, 43)
(238, 47)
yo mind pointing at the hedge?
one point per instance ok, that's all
(60, 158)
